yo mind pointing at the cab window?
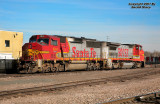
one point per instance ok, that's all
(32, 40)
(140, 48)
(43, 41)
(54, 42)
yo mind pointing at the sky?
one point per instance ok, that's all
(95, 19)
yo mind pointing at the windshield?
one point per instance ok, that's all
(43, 41)
(32, 40)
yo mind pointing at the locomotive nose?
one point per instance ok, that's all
(31, 50)
(28, 51)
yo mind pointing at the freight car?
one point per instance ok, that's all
(152, 60)
(46, 53)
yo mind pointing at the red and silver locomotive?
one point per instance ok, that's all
(60, 53)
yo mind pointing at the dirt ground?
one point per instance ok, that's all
(86, 94)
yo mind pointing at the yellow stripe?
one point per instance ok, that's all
(32, 52)
(80, 58)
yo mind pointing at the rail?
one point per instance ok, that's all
(22, 92)
(149, 98)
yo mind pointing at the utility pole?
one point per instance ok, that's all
(107, 38)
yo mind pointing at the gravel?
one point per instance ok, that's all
(91, 94)
(11, 83)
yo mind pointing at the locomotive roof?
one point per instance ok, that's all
(89, 39)
(76, 37)
(51, 36)
(132, 44)
(113, 44)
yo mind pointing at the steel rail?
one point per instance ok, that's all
(149, 98)
(122, 78)
(51, 73)
(21, 92)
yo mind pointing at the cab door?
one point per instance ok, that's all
(55, 47)
(136, 51)
(141, 53)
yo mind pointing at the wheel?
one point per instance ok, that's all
(55, 69)
(120, 65)
(48, 69)
(95, 67)
(89, 67)
(28, 68)
(134, 66)
(98, 66)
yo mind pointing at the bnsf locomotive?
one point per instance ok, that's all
(46, 53)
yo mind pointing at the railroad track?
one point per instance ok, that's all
(35, 90)
(29, 91)
(49, 73)
(150, 98)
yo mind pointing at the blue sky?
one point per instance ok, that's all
(88, 18)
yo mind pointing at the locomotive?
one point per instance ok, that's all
(45, 53)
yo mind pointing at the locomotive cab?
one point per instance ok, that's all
(41, 47)
(41, 39)
(138, 55)
(138, 52)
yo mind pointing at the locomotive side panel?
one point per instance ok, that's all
(121, 52)
(124, 51)
(81, 49)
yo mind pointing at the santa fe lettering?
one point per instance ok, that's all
(84, 53)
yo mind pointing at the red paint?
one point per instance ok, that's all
(138, 51)
(56, 52)
(84, 53)
(122, 52)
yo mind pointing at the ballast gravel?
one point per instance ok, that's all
(92, 94)
(36, 80)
